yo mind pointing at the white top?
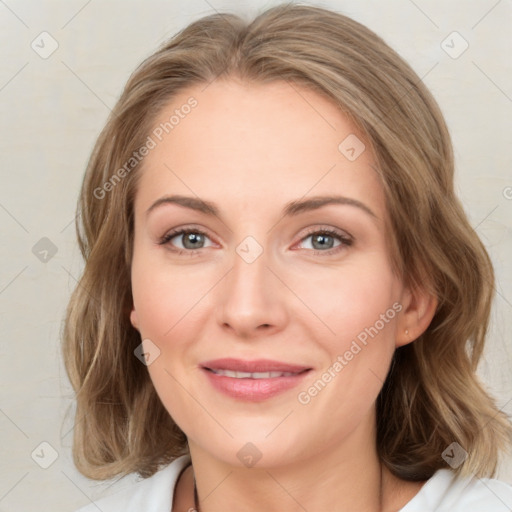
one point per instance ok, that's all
(439, 494)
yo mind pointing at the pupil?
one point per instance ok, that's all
(322, 239)
(192, 238)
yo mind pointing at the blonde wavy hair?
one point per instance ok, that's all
(432, 396)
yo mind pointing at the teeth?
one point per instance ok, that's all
(255, 375)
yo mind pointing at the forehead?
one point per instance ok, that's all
(262, 142)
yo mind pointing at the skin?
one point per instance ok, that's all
(251, 149)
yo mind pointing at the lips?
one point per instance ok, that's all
(253, 381)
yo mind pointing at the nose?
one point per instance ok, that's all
(251, 299)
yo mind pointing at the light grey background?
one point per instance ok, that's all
(52, 110)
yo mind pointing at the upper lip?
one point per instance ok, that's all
(254, 366)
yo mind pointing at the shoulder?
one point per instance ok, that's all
(153, 494)
(445, 492)
(485, 494)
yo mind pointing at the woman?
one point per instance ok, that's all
(283, 304)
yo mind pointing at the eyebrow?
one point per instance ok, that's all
(291, 209)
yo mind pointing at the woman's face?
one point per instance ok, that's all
(269, 269)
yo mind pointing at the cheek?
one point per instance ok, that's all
(165, 297)
(352, 299)
(166, 304)
(362, 313)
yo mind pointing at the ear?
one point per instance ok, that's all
(418, 309)
(133, 318)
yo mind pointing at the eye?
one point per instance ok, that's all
(191, 240)
(324, 240)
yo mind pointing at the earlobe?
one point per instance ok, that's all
(419, 310)
(133, 318)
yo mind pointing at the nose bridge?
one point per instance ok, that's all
(250, 295)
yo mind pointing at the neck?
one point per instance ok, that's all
(197, 507)
(346, 477)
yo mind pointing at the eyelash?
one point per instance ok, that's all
(346, 240)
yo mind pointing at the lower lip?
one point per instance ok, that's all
(253, 390)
